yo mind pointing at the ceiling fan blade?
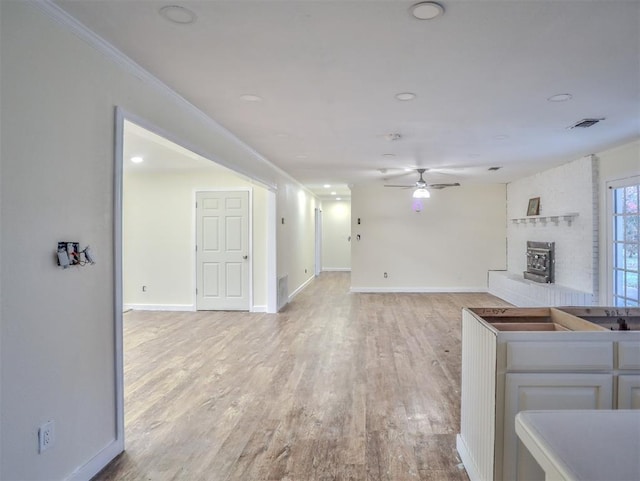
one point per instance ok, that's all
(401, 186)
(395, 175)
(442, 186)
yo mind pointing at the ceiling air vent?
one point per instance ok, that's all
(584, 123)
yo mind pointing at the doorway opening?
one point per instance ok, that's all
(156, 180)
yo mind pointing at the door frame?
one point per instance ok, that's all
(318, 246)
(194, 240)
(609, 188)
(120, 115)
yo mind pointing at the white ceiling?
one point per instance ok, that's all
(328, 71)
(158, 154)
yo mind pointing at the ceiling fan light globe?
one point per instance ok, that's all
(421, 193)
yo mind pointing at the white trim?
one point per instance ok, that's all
(467, 459)
(318, 241)
(609, 186)
(96, 464)
(161, 307)
(411, 290)
(118, 286)
(250, 254)
(336, 269)
(300, 289)
(259, 309)
(272, 270)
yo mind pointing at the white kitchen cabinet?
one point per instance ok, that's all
(628, 391)
(516, 359)
(628, 369)
(548, 391)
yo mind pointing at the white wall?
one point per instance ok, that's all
(568, 188)
(615, 164)
(57, 334)
(336, 230)
(159, 236)
(296, 235)
(449, 246)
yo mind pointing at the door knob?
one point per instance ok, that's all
(244, 257)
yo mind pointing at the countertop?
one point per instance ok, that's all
(583, 445)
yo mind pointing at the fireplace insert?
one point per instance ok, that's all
(540, 260)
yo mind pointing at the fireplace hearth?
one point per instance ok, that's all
(540, 261)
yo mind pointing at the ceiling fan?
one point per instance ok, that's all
(422, 187)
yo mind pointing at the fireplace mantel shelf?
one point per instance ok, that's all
(543, 219)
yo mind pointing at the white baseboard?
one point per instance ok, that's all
(467, 460)
(420, 290)
(299, 289)
(259, 309)
(160, 307)
(98, 462)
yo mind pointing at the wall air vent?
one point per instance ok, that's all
(584, 123)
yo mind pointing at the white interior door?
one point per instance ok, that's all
(222, 251)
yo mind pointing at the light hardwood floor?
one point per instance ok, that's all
(338, 386)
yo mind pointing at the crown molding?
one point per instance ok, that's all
(71, 24)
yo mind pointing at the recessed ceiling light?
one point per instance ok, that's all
(251, 98)
(560, 98)
(333, 193)
(408, 169)
(338, 198)
(137, 160)
(404, 96)
(178, 14)
(327, 186)
(426, 10)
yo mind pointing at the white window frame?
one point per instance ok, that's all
(611, 186)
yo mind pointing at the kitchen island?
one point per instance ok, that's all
(517, 359)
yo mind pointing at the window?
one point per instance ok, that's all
(626, 243)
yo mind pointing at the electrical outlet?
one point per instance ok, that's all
(46, 436)
(386, 275)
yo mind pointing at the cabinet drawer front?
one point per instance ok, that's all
(628, 355)
(559, 356)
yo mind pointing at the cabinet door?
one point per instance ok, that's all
(629, 391)
(546, 391)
